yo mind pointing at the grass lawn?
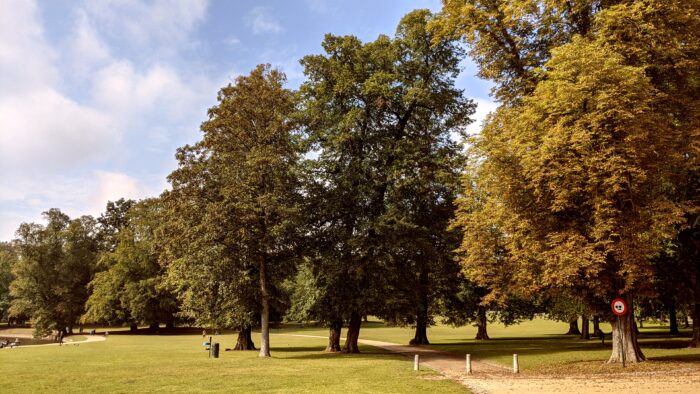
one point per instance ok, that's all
(178, 363)
(540, 345)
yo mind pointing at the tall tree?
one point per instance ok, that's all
(380, 115)
(56, 263)
(132, 289)
(8, 257)
(249, 228)
(589, 188)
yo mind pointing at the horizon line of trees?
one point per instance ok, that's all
(350, 196)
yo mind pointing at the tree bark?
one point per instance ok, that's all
(624, 336)
(597, 332)
(573, 328)
(673, 320)
(334, 331)
(244, 340)
(585, 329)
(133, 328)
(695, 341)
(153, 326)
(421, 337)
(354, 325)
(170, 324)
(265, 315)
(686, 323)
(481, 322)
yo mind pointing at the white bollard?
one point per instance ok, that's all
(515, 363)
(469, 363)
(416, 362)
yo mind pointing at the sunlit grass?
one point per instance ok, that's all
(179, 363)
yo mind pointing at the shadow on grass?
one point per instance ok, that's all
(686, 358)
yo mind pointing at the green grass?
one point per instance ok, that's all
(179, 363)
(540, 345)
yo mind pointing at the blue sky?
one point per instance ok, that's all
(95, 96)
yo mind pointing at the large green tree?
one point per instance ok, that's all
(380, 115)
(132, 290)
(7, 260)
(239, 189)
(55, 265)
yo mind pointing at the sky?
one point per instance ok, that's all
(96, 95)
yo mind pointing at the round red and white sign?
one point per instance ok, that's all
(619, 307)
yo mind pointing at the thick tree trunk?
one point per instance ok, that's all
(585, 330)
(573, 327)
(597, 332)
(481, 322)
(334, 330)
(245, 340)
(695, 341)
(421, 337)
(133, 327)
(170, 324)
(353, 335)
(265, 315)
(624, 337)
(673, 320)
(153, 326)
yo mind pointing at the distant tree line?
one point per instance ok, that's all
(351, 197)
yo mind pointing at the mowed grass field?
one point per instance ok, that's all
(178, 363)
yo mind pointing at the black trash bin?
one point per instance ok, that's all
(215, 350)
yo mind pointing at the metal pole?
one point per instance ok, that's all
(416, 362)
(469, 363)
(622, 341)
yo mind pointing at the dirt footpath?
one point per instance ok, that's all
(491, 378)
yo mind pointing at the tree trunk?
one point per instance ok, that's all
(585, 330)
(597, 332)
(170, 324)
(133, 328)
(354, 325)
(153, 326)
(334, 331)
(245, 340)
(686, 323)
(421, 337)
(422, 319)
(695, 341)
(573, 327)
(673, 320)
(624, 336)
(265, 316)
(481, 322)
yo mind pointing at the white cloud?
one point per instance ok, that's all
(25, 60)
(44, 130)
(111, 186)
(152, 24)
(232, 41)
(85, 49)
(40, 128)
(119, 88)
(260, 20)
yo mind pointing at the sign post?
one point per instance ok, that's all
(619, 308)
